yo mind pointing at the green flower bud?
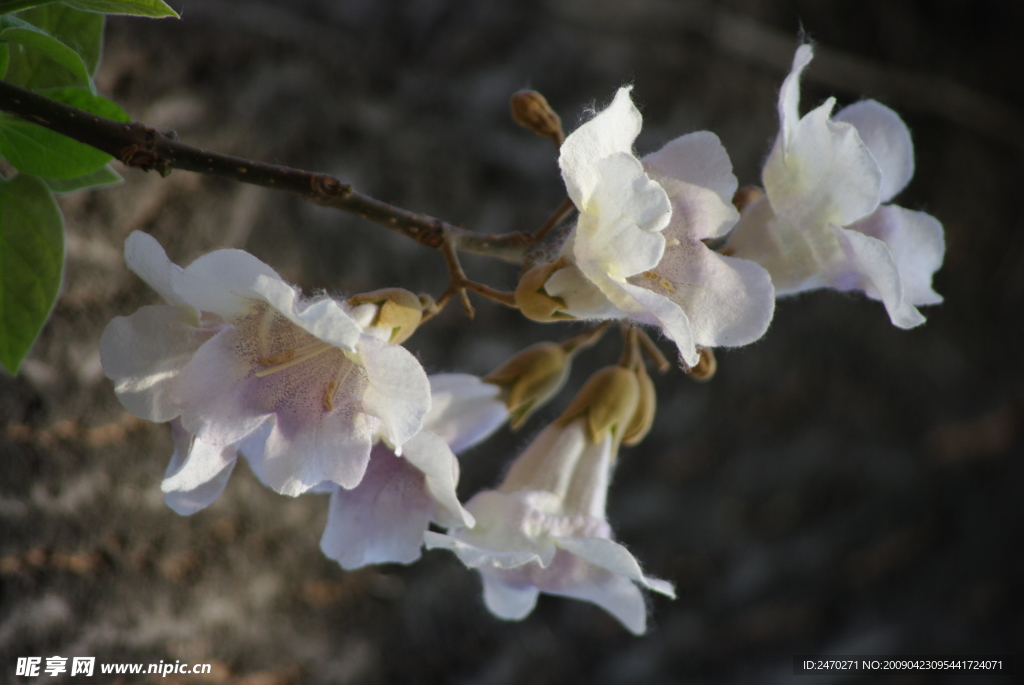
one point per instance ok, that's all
(531, 299)
(531, 378)
(609, 400)
(398, 309)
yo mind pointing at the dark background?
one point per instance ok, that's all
(841, 486)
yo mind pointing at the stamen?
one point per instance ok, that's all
(332, 388)
(293, 357)
(663, 282)
(277, 359)
(263, 333)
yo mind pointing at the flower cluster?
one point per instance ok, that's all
(320, 396)
(642, 247)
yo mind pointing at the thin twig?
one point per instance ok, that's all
(585, 339)
(458, 278)
(500, 296)
(660, 361)
(630, 357)
(137, 145)
(558, 217)
(460, 283)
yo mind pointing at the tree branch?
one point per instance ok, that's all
(137, 145)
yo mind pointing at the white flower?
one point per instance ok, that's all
(384, 518)
(464, 409)
(637, 248)
(198, 472)
(545, 530)
(236, 349)
(822, 223)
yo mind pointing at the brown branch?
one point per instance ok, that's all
(500, 296)
(587, 338)
(458, 279)
(137, 145)
(653, 351)
(556, 218)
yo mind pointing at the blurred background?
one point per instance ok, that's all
(840, 487)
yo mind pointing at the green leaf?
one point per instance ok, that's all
(26, 35)
(32, 149)
(31, 264)
(140, 8)
(5, 57)
(81, 31)
(8, 6)
(104, 176)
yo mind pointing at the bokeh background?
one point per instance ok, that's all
(840, 487)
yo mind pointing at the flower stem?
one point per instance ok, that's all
(137, 145)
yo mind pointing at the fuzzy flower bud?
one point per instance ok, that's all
(608, 401)
(643, 418)
(531, 378)
(533, 301)
(397, 309)
(531, 111)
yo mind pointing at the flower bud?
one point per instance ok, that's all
(531, 299)
(531, 111)
(643, 417)
(398, 310)
(609, 400)
(746, 196)
(531, 378)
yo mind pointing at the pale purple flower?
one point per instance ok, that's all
(237, 350)
(822, 221)
(545, 530)
(384, 518)
(637, 250)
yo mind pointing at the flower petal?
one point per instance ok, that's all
(197, 473)
(147, 258)
(888, 140)
(917, 245)
(696, 173)
(507, 600)
(620, 230)
(464, 409)
(309, 444)
(615, 558)
(398, 392)
(871, 268)
(143, 354)
(728, 301)
(253, 446)
(583, 299)
(824, 175)
(475, 556)
(432, 456)
(219, 403)
(222, 282)
(381, 520)
(789, 94)
(616, 595)
(794, 259)
(654, 309)
(612, 130)
(325, 318)
(819, 172)
(194, 462)
(547, 464)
